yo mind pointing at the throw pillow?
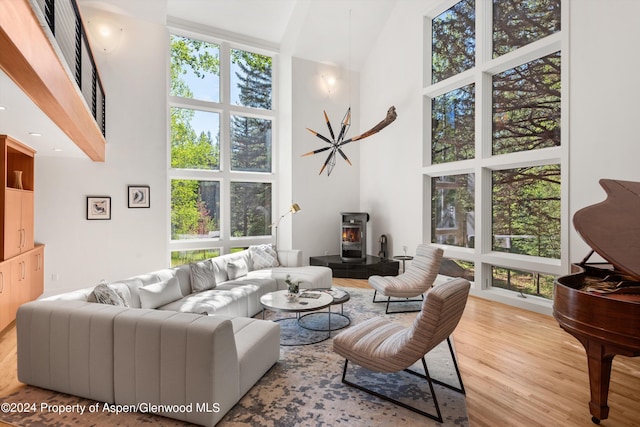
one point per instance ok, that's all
(263, 256)
(236, 269)
(202, 276)
(107, 295)
(123, 292)
(159, 294)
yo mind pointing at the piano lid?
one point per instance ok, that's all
(612, 227)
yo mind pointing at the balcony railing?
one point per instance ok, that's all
(63, 19)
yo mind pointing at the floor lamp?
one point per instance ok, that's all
(293, 209)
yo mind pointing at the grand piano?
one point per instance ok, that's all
(599, 303)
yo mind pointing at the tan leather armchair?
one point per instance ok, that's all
(414, 282)
(381, 345)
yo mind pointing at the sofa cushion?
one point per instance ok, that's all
(202, 276)
(161, 293)
(107, 294)
(237, 269)
(263, 256)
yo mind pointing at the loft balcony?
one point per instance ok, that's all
(46, 53)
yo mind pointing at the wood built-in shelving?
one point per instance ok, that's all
(21, 260)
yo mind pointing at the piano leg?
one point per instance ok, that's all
(599, 361)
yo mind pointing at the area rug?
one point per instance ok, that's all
(303, 389)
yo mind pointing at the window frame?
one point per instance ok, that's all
(485, 162)
(225, 243)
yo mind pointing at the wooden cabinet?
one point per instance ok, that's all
(21, 280)
(17, 182)
(21, 261)
(18, 222)
(36, 267)
(7, 302)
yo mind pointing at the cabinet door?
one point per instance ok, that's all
(37, 273)
(12, 223)
(19, 222)
(7, 305)
(27, 221)
(21, 280)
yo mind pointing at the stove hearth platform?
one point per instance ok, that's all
(370, 266)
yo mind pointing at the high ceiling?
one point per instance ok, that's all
(337, 32)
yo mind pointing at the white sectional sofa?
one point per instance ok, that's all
(157, 348)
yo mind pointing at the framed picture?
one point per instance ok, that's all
(98, 207)
(139, 196)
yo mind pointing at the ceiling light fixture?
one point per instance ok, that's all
(35, 134)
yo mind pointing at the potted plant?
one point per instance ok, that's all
(293, 288)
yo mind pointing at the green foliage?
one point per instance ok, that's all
(453, 125)
(188, 150)
(184, 207)
(527, 282)
(195, 204)
(453, 46)
(517, 23)
(186, 257)
(190, 54)
(526, 205)
(526, 114)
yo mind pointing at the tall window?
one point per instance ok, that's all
(222, 123)
(494, 159)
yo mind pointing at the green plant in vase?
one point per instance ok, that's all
(292, 287)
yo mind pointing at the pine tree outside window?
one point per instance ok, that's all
(495, 154)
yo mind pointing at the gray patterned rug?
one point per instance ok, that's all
(303, 389)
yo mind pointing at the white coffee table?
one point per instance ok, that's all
(278, 301)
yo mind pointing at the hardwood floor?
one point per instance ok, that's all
(519, 369)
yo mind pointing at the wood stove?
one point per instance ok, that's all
(353, 236)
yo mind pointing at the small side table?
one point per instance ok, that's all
(403, 258)
(340, 296)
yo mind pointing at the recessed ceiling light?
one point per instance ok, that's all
(35, 134)
(57, 150)
(2, 107)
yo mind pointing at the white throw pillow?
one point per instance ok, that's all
(236, 269)
(202, 276)
(263, 256)
(161, 293)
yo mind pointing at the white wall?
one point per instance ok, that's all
(316, 228)
(390, 178)
(79, 252)
(604, 101)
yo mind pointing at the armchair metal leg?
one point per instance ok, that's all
(438, 415)
(389, 301)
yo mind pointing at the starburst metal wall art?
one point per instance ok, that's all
(336, 144)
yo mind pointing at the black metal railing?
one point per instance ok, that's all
(63, 19)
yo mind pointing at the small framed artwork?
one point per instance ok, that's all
(139, 196)
(98, 207)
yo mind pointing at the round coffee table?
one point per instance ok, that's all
(306, 301)
(340, 296)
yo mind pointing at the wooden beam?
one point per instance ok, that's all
(30, 60)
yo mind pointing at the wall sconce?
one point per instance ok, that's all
(105, 34)
(329, 82)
